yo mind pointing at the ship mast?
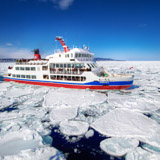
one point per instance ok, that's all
(66, 48)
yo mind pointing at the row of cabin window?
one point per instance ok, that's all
(66, 78)
(79, 55)
(26, 68)
(66, 65)
(83, 55)
(24, 76)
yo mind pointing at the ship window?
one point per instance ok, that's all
(22, 76)
(71, 54)
(83, 78)
(69, 78)
(79, 55)
(45, 68)
(33, 77)
(72, 65)
(52, 65)
(67, 55)
(61, 65)
(65, 65)
(92, 65)
(81, 65)
(76, 55)
(18, 76)
(17, 68)
(33, 68)
(45, 77)
(53, 77)
(77, 65)
(28, 76)
(57, 65)
(21, 68)
(13, 75)
(27, 69)
(68, 65)
(89, 65)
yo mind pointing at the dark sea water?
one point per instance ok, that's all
(75, 148)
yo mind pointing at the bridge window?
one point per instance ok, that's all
(57, 65)
(68, 65)
(61, 65)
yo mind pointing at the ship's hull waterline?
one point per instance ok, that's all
(92, 85)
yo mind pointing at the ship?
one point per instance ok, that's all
(69, 68)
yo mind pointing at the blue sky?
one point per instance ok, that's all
(119, 29)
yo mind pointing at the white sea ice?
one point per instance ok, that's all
(5, 102)
(141, 154)
(4, 86)
(62, 113)
(124, 122)
(43, 153)
(15, 141)
(72, 97)
(89, 134)
(17, 92)
(151, 148)
(73, 128)
(131, 102)
(118, 146)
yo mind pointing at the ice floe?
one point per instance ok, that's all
(141, 154)
(62, 113)
(118, 146)
(73, 128)
(124, 122)
(133, 102)
(43, 153)
(17, 92)
(90, 133)
(14, 142)
(62, 96)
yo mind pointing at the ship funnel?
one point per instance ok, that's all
(37, 55)
(66, 48)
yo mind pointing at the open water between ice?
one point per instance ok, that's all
(46, 123)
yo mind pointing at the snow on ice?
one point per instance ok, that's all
(73, 128)
(141, 154)
(70, 97)
(126, 123)
(14, 142)
(63, 113)
(118, 146)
